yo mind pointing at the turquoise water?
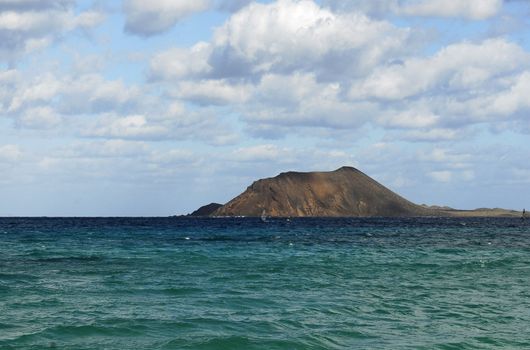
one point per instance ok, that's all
(181, 283)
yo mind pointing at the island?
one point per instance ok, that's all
(345, 192)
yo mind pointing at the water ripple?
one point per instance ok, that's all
(187, 283)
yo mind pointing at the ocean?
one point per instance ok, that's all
(189, 283)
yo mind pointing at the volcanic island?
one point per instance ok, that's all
(345, 192)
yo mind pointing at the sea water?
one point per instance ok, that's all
(184, 283)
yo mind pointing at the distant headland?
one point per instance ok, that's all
(345, 192)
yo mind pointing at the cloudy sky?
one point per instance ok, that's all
(157, 107)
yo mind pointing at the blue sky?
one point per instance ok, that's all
(158, 107)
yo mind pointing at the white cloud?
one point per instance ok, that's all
(432, 135)
(39, 118)
(132, 126)
(409, 120)
(293, 35)
(26, 26)
(453, 89)
(468, 175)
(260, 153)
(514, 99)
(177, 124)
(283, 37)
(456, 67)
(92, 93)
(443, 155)
(288, 66)
(8, 81)
(213, 92)
(300, 100)
(10, 153)
(152, 17)
(441, 176)
(34, 4)
(472, 9)
(178, 63)
(232, 5)
(93, 106)
(468, 9)
(89, 19)
(366, 6)
(447, 176)
(500, 101)
(42, 100)
(25, 21)
(107, 149)
(174, 156)
(292, 90)
(26, 91)
(34, 23)
(271, 156)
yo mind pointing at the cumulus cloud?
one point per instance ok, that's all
(449, 159)
(454, 88)
(299, 35)
(292, 65)
(90, 105)
(299, 100)
(106, 149)
(34, 4)
(10, 153)
(232, 5)
(261, 153)
(515, 98)
(136, 161)
(25, 91)
(127, 127)
(40, 101)
(283, 37)
(446, 176)
(174, 157)
(181, 63)
(409, 119)
(370, 7)
(501, 104)
(432, 135)
(92, 93)
(441, 176)
(469, 9)
(213, 92)
(285, 67)
(39, 118)
(472, 9)
(8, 81)
(146, 18)
(271, 158)
(176, 124)
(456, 67)
(283, 64)
(28, 25)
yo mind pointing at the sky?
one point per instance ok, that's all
(154, 108)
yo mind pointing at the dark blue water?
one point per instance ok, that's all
(183, 283)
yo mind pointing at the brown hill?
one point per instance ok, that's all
(340, 193)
